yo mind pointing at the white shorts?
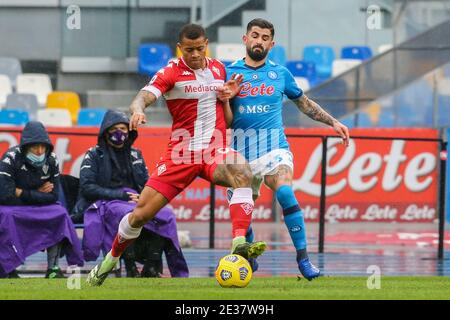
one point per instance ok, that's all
(267, 165)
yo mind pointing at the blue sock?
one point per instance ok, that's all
(293, 218)
(249, 237)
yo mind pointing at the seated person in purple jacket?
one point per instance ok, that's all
(112, 175)
(29, 176)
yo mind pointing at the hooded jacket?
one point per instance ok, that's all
(16, 171)
(97, 169)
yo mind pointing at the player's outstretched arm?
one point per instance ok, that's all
(142, 100)
(228, 113)
(315, 112)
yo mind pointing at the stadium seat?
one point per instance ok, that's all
(24, 102)
(35, 83)
(5, 88)
(443, 87)
(385, 47)
(91, 117)
(342, 65)
(10, 67)
(348, 121)
(65, 100)
(226, 62)
(13, 117)
(386, 118)
(444, 111)
(230, 51)
(303, 69)
(363, 120)
(152, 57)
(356, 52)
(446, 70)
(443, 90)
(55, 117)
(278, 55)
(322, 56)
(303, 83)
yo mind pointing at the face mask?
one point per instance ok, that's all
(117, 137)
(36, 160)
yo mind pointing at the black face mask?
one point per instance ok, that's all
(257, 55)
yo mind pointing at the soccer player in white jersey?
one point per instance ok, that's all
(197, 146)
(256, 119)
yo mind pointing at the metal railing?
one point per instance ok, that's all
(212, 11)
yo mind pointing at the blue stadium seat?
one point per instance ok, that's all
(443, 111)
(356, 52)
(387, 118)
(226, 62)
(152, 57)
(300, 68)
(278, 55)
(348, 121)
(13, 117)
(25, 102)
(91, 117)
(364, 120)
(322, 56)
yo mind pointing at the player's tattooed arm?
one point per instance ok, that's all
(315, 112)
(142, 100)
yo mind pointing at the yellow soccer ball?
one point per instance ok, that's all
(233, 271)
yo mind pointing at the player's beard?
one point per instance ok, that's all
(257, 55)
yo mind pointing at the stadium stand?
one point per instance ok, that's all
(229, 52)
(386, 118)
(443, 100)
(363, 120)
(91, 116)
(55, 117)
(13, 117)
(384, 47)
(25, 102)
(278, 55)
(303, 69)
(322, 56)
(303, 83)
(341, 65)
(10, 67)
(5, 89)
(356, 52)
(65, 100)
(38, 84)
(152, 57)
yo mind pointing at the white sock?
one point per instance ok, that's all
(126, 231)
(242, 195)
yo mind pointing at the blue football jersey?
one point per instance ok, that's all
(257, 123)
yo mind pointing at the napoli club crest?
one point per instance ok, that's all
(272, 75)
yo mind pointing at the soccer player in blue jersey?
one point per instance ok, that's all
(255, 116)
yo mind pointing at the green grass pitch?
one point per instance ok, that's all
(270, 288)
